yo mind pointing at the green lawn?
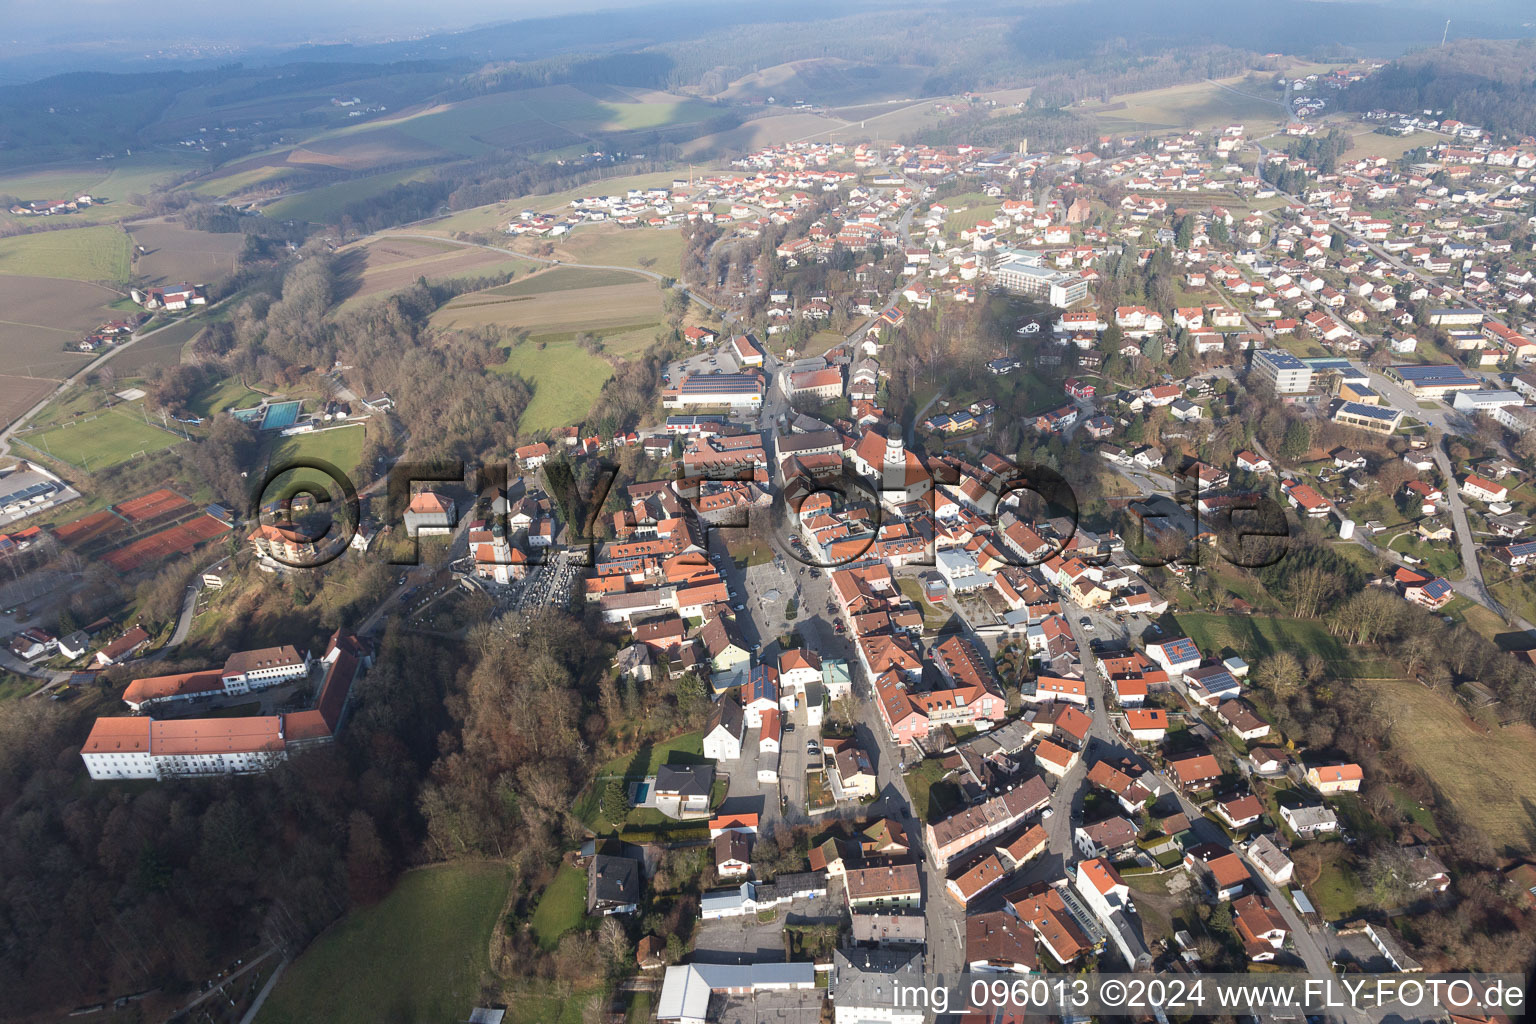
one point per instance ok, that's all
(342, 448)
(685, 749)
(561, 907)
(1336, 893)
(913, 591)
(108, 439)
(566, 381)
(1439, 557)
(930, 797)
(78, 254)
(230, 393)
(1256, 637)
(418, 955)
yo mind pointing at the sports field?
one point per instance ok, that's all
(88, 528)
(101, 441)
(417, 955)
(77, 254)
(341, 447)
(154, 505)
(1485, 775)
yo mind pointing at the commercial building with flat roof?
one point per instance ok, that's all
(1025, 274)
(1432, 381)
(1284, 372)
(732, 389)
(1378, 419)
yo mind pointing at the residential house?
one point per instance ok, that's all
(613, 885)
(1309, 821)
(684, 790)
(1335, 778)
(998, 942)
(1259, 925)
(724, 730)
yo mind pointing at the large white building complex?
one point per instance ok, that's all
(243, 672)
(1025, 273)
(140, 747)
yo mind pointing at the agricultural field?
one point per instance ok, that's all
(1485, 775)
(635, 303)
(76, 254)
(760, 132)
(18, 394)
(1197, 105)
(545, 118)
(826, 80)
(548, 311)
(100, 441)
(161, 347)
(379, 147)
(248, 174)
(387, 265)
(177, 254)
(39, 316)
(562, 279)
(659, 250)
(319, 205)
(419, 954)
(111, 180)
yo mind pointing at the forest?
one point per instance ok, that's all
(1489, 83)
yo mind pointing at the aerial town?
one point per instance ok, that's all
(1074, 551)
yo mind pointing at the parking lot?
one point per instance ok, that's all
(711, 360)
(739, 940)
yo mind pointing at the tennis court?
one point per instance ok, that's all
(153, 505)
(174, 540)
(87, 528)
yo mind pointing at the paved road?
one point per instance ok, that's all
(189, 605)
(1441, 418)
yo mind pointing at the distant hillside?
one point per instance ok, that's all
(1491, 83)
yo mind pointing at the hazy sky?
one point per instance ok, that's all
(55, 22)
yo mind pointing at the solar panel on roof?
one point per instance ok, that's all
(1181, 649)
